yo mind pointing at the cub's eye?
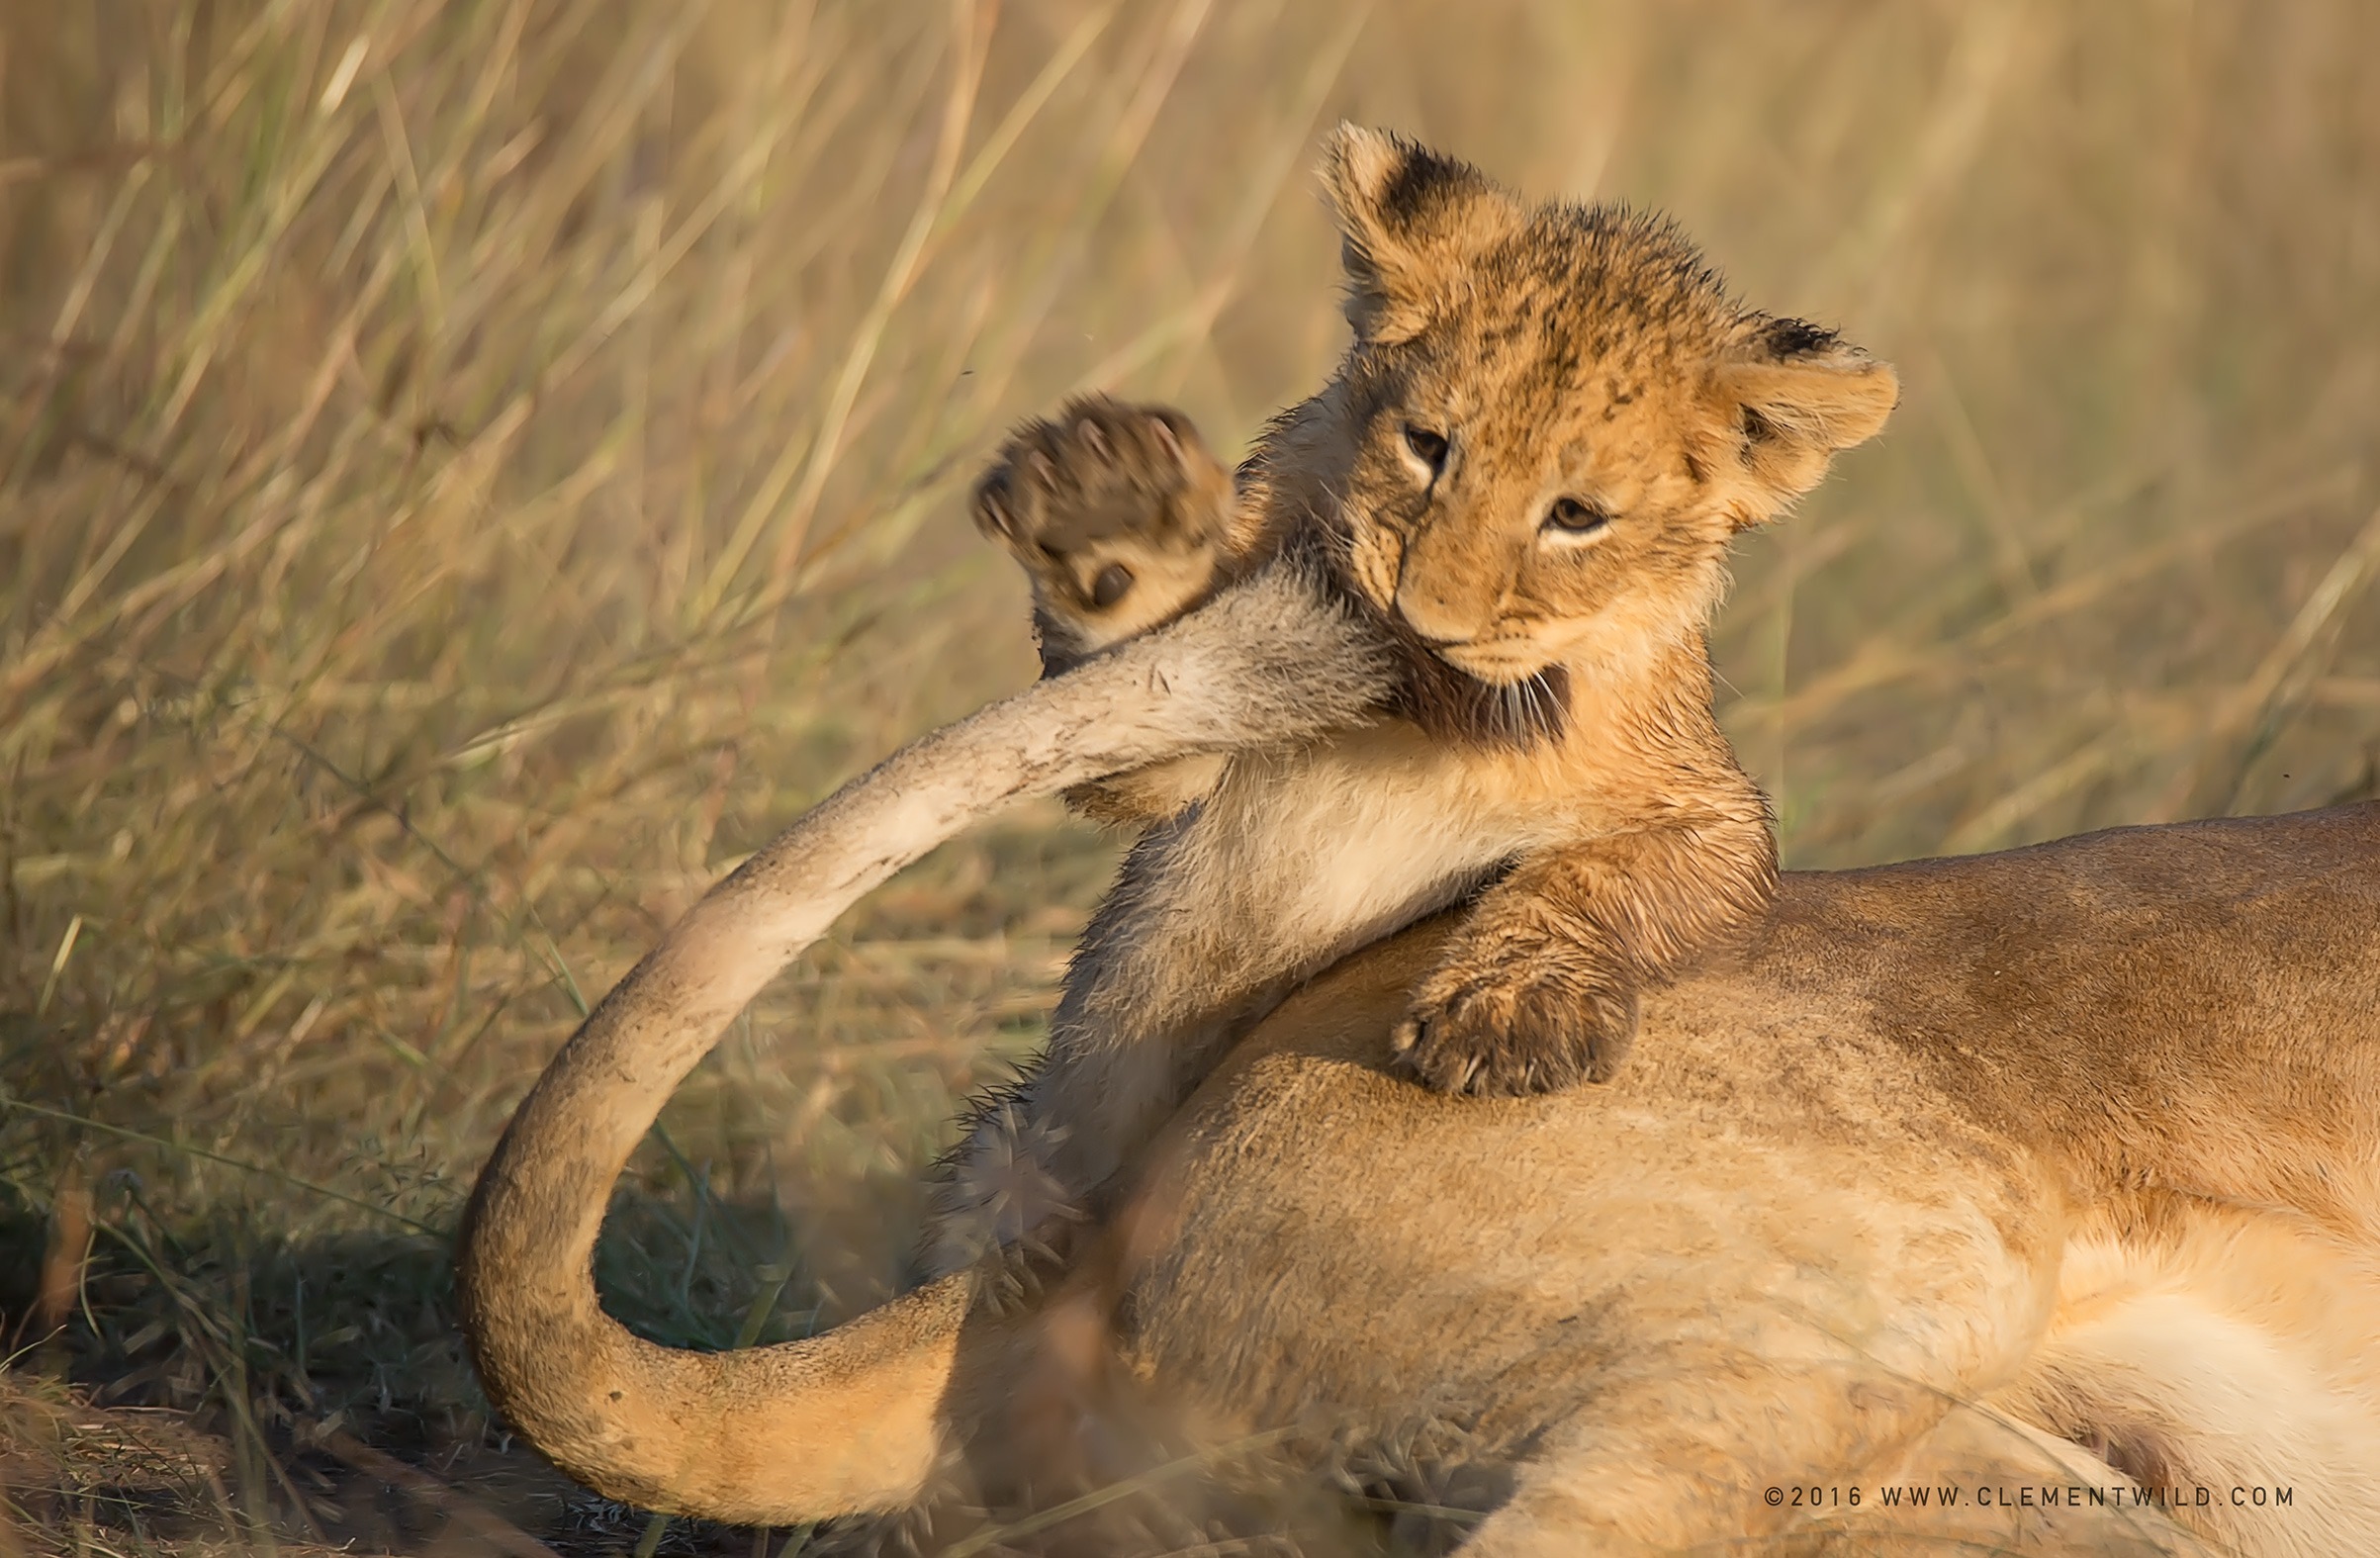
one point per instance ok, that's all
(1428, 448)
(1108, 588)
(1575, 516)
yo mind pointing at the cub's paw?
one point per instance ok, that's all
(1119, 516)
(1507, 1015)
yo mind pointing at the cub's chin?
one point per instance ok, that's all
(1496, 665)
(1453, 705)
(1447, 701)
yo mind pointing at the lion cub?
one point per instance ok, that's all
(1524, 475)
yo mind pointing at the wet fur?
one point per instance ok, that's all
(1575, 779)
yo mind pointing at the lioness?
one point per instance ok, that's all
(2058, 1169)
(1811, 1242)
(1550, 424)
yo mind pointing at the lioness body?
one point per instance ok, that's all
(2057, 1169)
(2087, 1135)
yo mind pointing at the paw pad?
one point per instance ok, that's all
(1118, 515)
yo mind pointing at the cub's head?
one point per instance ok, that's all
(1554, 418)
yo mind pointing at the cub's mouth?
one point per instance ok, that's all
(1450, 702)
(1498, 662)
(1515, 711)
(1436, 691)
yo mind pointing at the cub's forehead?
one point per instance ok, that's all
(1576, 298)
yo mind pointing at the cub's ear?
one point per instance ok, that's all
(1409, 222)
(1794, 399)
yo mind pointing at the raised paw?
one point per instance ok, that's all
(1496, 1019)
(1119, 516)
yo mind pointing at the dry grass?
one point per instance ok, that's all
(469, 470)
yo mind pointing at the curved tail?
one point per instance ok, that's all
(852, 1421)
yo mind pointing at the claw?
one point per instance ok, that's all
(1163, 432)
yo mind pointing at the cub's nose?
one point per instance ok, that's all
(1432, 620)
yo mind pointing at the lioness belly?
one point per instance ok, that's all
(1523, 1256)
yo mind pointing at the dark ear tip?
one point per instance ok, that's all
(1789, 339)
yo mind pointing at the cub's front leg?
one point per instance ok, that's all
(1121, 520)
(1539, 990)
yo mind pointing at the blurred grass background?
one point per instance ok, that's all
(468, 471)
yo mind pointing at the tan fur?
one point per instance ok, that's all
(1527, 470)
(2084, 1135)
(1916, 1188)
(2045, 1170)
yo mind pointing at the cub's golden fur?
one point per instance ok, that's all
(1526, 473)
